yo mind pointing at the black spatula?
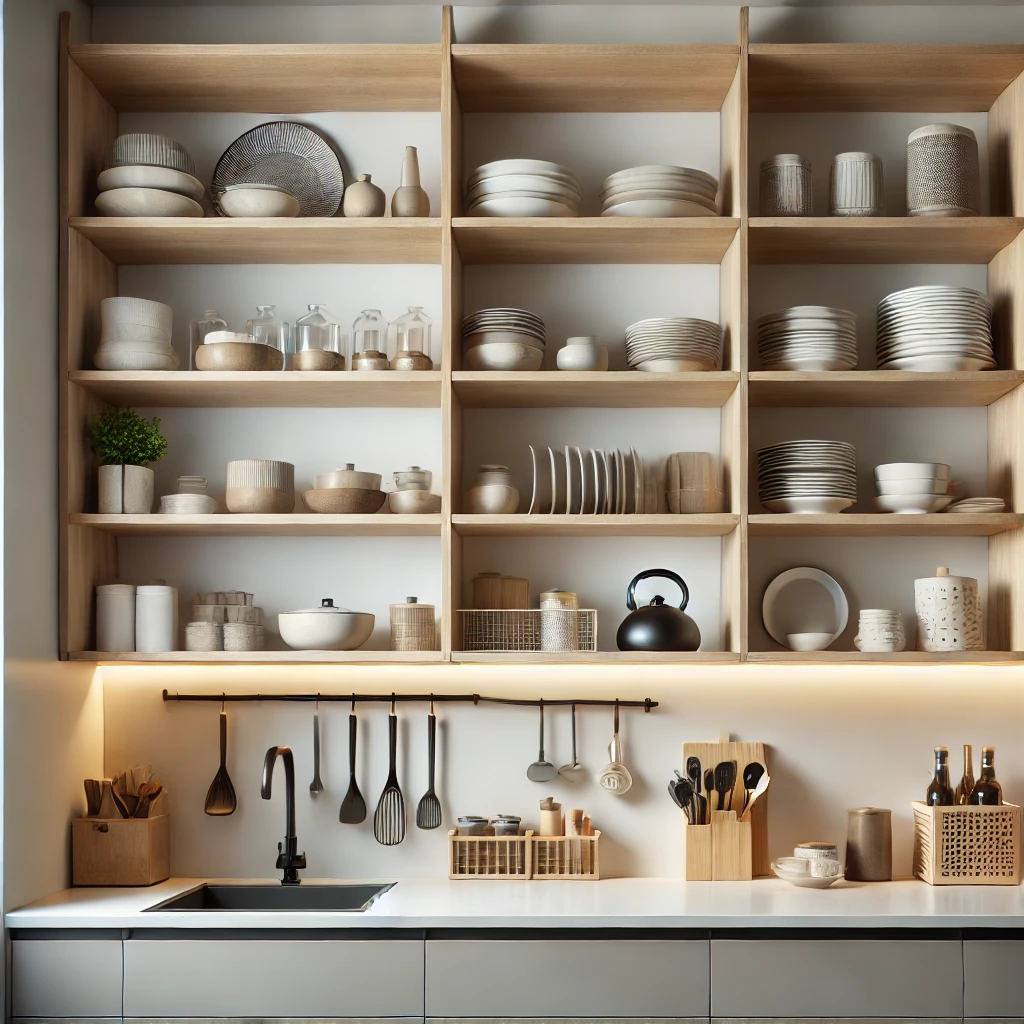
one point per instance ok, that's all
(220, 799)
(353, 807)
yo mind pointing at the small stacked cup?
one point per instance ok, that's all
(880, 631)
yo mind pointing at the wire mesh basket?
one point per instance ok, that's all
(550, 629)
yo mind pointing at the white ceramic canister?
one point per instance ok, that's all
(156, 619)
(856, 186)
(943, 172)
(948, 613)
(115, 617)
(785, 186)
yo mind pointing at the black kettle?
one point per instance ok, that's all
(657, 626)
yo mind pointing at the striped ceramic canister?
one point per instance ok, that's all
(856, 189)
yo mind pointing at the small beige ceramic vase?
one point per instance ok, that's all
(409, 199)
(364, 199)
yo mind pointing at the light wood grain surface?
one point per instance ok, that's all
(229, 524)
(560, 525)
(936, 524)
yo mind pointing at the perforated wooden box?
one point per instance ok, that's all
(967, 845)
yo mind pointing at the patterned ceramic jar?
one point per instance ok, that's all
(943, 172)
(856, 186)
(785, 186)
(948, 613)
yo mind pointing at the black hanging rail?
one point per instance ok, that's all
(386, 698)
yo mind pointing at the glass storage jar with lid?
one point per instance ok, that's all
(412, 349)
(319, 342)
(267, 328)
(208, 321)
(369, 341)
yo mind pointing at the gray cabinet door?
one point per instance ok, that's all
(272, 978)
(994, 978)
(66, 978)
(567, 978)
(836, 978)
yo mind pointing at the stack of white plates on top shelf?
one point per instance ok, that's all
(810, 338)
(966, 506)
(502, 339)
(135, 334)
(523, 188)
(912, 487)
(935, 328)
(149, 176)
(659, 190)
(674, 345)
(810, 477)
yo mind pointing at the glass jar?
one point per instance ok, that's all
(319, 343)
(269, 329)
(209, 320)
(412, 349)
(369, 341)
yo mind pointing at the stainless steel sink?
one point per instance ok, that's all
(271, 898)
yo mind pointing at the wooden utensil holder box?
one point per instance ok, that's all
(529, 856)
(121, 851)
(973, 845)
(719, 852)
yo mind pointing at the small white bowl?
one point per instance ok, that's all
(808, 641)
(912, 504)
(503, 356)
(909, 470)
(258, 201)
(915, 485)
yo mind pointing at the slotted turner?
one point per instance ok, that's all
(220, 798)
(389, 818)
(428, 811)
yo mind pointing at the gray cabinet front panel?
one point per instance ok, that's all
(66, 978)
(836, 978)
(994, 978)
(568, 978)
(273, 978)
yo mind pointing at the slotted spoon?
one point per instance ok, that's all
(389, 818)
(353, 807)
(428, 811)
(220, 799)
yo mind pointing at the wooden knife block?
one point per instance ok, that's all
(121, 851)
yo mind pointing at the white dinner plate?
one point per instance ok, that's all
(804, 600)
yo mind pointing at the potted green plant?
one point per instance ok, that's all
(126, 444)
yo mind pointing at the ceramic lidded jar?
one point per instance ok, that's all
(493, 493)
(582, 354)
(948, 613)
(364, 199)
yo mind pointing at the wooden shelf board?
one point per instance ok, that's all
(593, 239)
(235, 525)
(199, 240)
(621, 389)
(880, 239)
(595, 525)
(275, 78)
(896, 658)
(590, 77)
(596, 657)
(282, 389)
(879, 388)
(884, 525)
(879, 77)
(261, 657)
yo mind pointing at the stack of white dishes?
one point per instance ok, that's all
(659, 190)
(935, 328)
(912, 487)
(674, 344)
(523, 188)
(966, 506)
(135, 334)
(503, 339)
(810, 338)
(149, 176)
(807, 477)
(880, 631)
(190, 499)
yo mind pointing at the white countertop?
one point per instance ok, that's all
(610, 903)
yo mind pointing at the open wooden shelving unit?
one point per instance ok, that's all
(101, 81)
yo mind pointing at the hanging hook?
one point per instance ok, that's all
(222, 696)
(616, 714)
(392, 703)
(316, 706)
(431, 704)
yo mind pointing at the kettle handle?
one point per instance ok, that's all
(667, 574)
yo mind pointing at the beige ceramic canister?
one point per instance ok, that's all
(869, 844)
(948, 613)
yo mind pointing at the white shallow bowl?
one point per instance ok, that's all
(144, 176)
(502, 356)
(657, 208)
(675, 366)
(325, 629)
(808, 641)
(257, 201)
(542, 168)
(909, 470)
(804, 881)
(916, 485)
(146, 202)
(913, 504)
(812, 505)
(501, 338)
(521, 183)
(523, 207)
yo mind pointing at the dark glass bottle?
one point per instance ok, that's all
(966, 786)
(939, 794)
(986, 790)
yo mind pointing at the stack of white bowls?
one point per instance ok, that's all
(880, 631)
(912, 487)
(149, 176)
(523, 188)
(659, 190)
(807, 477)
(503, 339)
(935, 328)
(674, 345)
(135, 334)
(190, 498)
(810, 338)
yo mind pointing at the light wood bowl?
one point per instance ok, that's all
(344, 501)
(234, 355)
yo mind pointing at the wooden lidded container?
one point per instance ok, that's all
(412, 626)
(492, 591)
(121, 851)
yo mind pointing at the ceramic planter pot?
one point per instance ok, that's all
(125, 489)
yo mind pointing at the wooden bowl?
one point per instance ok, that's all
(233, 355)
(344, 501)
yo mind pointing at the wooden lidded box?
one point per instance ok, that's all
(121, 851)
(969, 845)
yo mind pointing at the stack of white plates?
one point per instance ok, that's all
(503, 339)
(810, 477)
(188, 504)
(523, 188)
(810, 338)
(935, 328)
(969, 505)
(149, 176)
(912, 487)
(674, 344)
(135, 334)
(659, 190)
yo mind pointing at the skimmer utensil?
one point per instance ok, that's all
(316, 786)
(220, 799)
(428, 811)
(541, 770)
(575, 771)
(353, 807)
(389, 818)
